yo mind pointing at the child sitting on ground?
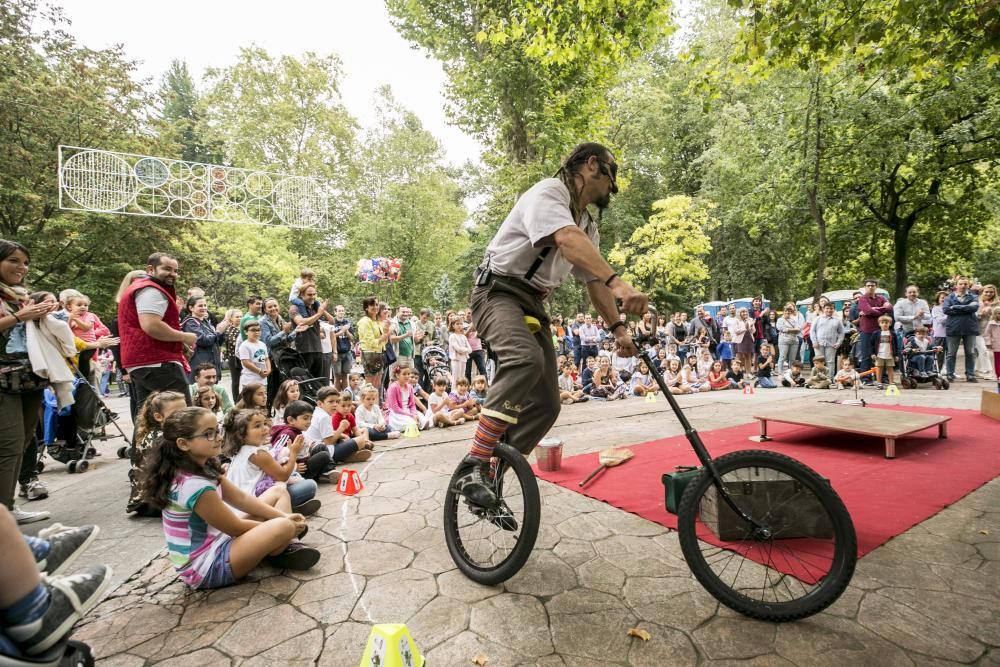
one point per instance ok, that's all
(400, 402)
(704, 364)
(793, 376)
(461, 399)
(288, 391)
(642, 381)
(437, 406)
(208, 399)
(846, 376)
(353, 389)
(345, 423)
(154, 411)
(209, 544)
(765, 364)
(478, 392)
(717, 380)
(342, 449)
(691, 376)
(570, 390)
(673, 377)
(819, 378)
(368, 415)
(313, 462)
(736, 376)
(247, 443)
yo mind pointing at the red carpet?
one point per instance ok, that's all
(884, 496)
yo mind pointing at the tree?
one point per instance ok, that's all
(54, 91)
(406, 204)
(669, 250)
(283, 114)
(444, 295)
(927, 39)
(180, 107)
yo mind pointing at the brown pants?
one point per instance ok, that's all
(525, 391)
(18, 418)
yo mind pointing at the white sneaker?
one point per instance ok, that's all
(24, 517)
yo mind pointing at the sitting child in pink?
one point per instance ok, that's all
(400, 403)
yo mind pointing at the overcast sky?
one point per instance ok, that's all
(209, 34)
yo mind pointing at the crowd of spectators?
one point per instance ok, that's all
(309, 387)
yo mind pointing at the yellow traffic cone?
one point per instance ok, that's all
(651, 397)
(390, 645)
(411, 431)
(892, 390)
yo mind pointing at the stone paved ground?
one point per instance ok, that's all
(928, 597)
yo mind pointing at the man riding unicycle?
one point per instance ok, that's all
(547, 235)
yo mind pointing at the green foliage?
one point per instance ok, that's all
(233, 261)
(52, 92)
(928, 39)
(181, 103)
(407, 204)
(669, 250)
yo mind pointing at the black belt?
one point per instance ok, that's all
(484, 276)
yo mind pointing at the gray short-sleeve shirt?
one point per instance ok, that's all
(538, 214)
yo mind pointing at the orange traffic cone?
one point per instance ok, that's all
(350, 482)
(748, 389)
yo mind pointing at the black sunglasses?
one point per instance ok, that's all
(605, 167)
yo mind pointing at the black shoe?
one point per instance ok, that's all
(973, 380)
(475, 484)
(296, 556)
(500, 516)
(308, 508)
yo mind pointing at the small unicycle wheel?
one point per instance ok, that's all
(490, 546)
(793, 560)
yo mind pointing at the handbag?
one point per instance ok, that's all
(16, 376)
(389, 356)
(674, 484)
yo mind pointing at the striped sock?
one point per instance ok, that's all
(487, 436)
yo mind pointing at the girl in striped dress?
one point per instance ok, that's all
(208, 543)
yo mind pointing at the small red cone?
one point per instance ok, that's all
(748, 389)
(350, 482)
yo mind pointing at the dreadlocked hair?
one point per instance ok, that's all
(152, 406)
(571, 167)
(165, 460)
(234, 429)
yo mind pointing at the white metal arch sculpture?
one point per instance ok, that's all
(129, 184)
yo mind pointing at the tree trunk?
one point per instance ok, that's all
(901, 241)
(812, 194)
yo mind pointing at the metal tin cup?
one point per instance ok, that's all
(548, 454)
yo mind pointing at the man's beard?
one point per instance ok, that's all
(603, 202)
(166, 282)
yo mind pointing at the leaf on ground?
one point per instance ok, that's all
(480, 660)
(984, 532)
(640, 633)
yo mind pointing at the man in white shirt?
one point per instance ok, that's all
(548, 235)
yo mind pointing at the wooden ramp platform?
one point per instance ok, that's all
(888, 424)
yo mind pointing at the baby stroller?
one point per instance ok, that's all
(912, 376)
(291, 366)
(69, 433)
(436, 364)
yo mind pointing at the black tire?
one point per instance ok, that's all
(827, 549)
(472, 538)
(40, 466)
(122, 452)
(945, 384)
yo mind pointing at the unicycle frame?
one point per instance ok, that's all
(692, 436)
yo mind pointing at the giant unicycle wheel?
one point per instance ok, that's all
(481, 542)
(796, 555)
